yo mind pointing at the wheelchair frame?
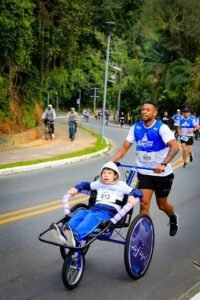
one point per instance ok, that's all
(139, 241)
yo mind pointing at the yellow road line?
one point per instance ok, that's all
(26, 213)
(53, 205)
(3, 215)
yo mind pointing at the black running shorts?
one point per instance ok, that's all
(161, 185)
(189, 141)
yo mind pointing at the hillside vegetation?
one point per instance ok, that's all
(56, 50)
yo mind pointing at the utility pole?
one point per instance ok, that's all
(95, 96)
(110, 25)
(120, 89)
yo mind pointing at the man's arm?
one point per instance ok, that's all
(54, 114)
(122, 151)
(173, 150)
(196, 127)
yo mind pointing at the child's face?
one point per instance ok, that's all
(108, 176)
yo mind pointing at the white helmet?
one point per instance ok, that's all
(110, 165)
(49, 106)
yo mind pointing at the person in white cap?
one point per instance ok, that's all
(108, 206)
(72, 116)
(50, 115)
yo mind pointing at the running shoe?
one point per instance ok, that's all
(68, 233)
(191, 157)
(173, 223)
(56, 232)
(184, 165)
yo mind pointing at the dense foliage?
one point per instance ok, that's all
(56, 50)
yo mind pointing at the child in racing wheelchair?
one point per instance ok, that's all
(108, 206)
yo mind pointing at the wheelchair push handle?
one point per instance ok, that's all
(119, 164)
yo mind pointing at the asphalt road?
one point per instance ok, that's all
(32, 270)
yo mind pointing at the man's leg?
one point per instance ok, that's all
(145, 201)
(184, 154)
(52, 127)
(165, 206)
(189, 148)
(189, 151)
(176, 132)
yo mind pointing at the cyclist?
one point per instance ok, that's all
(72, 115)
(176, 117)
(108, 205)
(155, 148)
(49, 115)
(186, 129)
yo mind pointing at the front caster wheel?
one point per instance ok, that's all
(73, 268)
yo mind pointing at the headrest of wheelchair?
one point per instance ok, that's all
(112, 166)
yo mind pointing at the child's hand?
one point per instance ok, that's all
(132, 200)
(72, 191)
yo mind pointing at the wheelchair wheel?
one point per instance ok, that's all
(139, 246)
(73, 268)
(64, 251)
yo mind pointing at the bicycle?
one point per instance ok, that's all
(138, 243)
(72, 130)
(48, 129)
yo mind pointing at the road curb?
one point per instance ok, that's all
(51, 164)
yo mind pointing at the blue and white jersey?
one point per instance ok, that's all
(109, 193)
(186, 124)
(176, 119)
(196, 119)
(151, 145)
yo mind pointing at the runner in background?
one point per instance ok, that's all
(176, 117)
(187, 127)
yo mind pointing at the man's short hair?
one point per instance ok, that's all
(151, 103)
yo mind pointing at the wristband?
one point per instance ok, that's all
(125, 209)
(65, 202)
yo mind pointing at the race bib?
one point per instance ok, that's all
(107, 195)
(146, 156)
(184, 138)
